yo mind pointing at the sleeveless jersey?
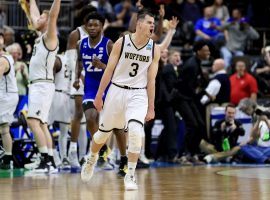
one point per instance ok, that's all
(133, 64)
(93, 75)
(8, 83)
(42, 61)
(62, 77)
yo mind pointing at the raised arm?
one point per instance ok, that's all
(34, 13)
(107, 76)
(151, 77)
(159, 29)
(168, 38)
(51, 34)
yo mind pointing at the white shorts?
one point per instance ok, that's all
(60, 109)
(121, 106)
(40, 100)
(73, 91)
(8, 104)
(72, 109)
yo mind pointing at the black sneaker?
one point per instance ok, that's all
(6, 162)
(122, 167)
(142, 165)
(43, 166)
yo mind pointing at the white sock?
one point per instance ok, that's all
(131, 168)
(73, 147)
(43, 149)
(50, 152)
(62, 138)
(82, 141)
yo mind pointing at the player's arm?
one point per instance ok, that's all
(4, 66)
(151, 81)
(97, 63)
(71, 52)
(159, 29)
(107, 76)
(34, 13)
(51, 34)
(57, 65)
(168, 38)
(79, 68)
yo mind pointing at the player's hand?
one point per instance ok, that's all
(97, 63)
(98, 103)
(161, 11)
(150, 115)
(76, 84)
(173, 23)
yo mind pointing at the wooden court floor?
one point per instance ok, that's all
(185, 183)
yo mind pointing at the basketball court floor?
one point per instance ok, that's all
(187, 183)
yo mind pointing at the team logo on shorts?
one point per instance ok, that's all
(38, 112)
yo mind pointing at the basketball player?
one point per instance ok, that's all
(8, 101)
(41, 89)
(60, 111)
(132, 68)
(78, 127)
(93, 54)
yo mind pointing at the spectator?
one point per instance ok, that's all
(219, 88)
(207, 28)
(238, 32)
(184, 98)
(3, 18)
(225, 135)
(21, 69)
(123, 12)
(257, 148)
(167, 145)
(243, 84)
(104, 8)
(261, 70)
(220, 11)
(9, 35)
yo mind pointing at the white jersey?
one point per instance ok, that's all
(62, 77)
(133, 64)
(83, 33)
(8, 83)
(42, 62)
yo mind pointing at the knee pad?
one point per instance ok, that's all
(101, 137)
(135, 133)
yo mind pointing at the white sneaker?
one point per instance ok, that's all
(144, 159)
(130, 183)
(33, 165)
(209, 159)
(73, 159)
(88, 169)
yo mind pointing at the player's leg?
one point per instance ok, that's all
(82, 141)
(75, 131)
(122, 145)
(7, 144)
(62, 142)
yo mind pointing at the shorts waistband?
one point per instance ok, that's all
(128, 88)
(62, 91)
(42, 80)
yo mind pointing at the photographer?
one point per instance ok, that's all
(257, 149)
(226, 131)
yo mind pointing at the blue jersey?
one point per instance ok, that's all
(93, 75)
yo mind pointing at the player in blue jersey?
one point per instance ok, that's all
(93, 54)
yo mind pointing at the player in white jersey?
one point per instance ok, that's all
(8, 101)
(132, 68)
(41, 89)
(60, 108)
(78, 122)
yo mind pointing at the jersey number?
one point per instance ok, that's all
(90, 67)
(135, 67)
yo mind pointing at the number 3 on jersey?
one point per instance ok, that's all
(91, 68)
(135, 67)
